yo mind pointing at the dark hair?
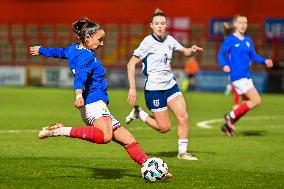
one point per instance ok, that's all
(228, 29)
(158, 12)
(85, 27)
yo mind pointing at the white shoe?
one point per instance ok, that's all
(169, 176)
(134, 114)
(187, 156)
(50, 131)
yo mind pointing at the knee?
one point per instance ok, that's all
(164, 129)
(107, 138)
(256, 101)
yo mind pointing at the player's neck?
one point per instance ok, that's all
(159, 38)
(239, 35)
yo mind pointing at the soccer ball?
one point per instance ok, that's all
(154, 169)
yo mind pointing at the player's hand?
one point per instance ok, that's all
(268, 63)
(79, 102)
(195, 48)
(226, 69)
(34, 50)
(132, 96)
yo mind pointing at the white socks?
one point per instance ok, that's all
(182, 146)
(143, 115)
(65, 131)
(232, 114)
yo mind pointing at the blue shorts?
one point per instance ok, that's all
(156, 101)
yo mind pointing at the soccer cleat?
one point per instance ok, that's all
(187, 156)
(169, 176)
(134, 114)
(50, 131)
(227, 130)
(229, 121)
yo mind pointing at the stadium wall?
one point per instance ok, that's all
(115, 11)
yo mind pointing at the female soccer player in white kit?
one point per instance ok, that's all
(161, 90)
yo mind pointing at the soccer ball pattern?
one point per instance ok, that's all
(154, 169)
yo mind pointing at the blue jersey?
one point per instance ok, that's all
(238, 54)
(89, 73)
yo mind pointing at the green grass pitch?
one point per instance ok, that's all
(252, 159)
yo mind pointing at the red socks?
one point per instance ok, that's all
(236, 96)
(136, 153)
(88, 133)
(241, 110)
(95, 135)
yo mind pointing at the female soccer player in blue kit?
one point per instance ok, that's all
(161, 90)
(235, 56)
(91, 93)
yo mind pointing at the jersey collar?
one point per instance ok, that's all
(158, 39)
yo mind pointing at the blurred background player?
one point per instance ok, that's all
(161, 90)
(235, 56)
(91, 93)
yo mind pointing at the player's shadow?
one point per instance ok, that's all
(252, 133)
(108, 173)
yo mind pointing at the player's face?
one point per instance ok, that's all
(96, 40)
(241, 24)
(159, 25)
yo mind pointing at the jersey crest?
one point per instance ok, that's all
(156, 102)
(248, 44)
(166, 58)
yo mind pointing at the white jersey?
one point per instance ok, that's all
(156, 56)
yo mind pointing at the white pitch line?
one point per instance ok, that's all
(207, 124)
(19, 131)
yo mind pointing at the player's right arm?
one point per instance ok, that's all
(139, 54)
(49, 52)
(131, 67)
(222, 54)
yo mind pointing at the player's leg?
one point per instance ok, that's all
(123, 137)
(157, 103)
(178, 107)
(160, 120)
(236, 97)
(99, 129)
(250, 97)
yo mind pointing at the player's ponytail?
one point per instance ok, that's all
(85, 27)
(158, 12)
(228, 29)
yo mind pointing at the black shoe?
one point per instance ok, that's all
(229, 121)
(227, 130)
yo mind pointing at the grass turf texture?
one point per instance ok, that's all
(252, 159)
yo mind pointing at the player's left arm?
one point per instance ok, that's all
(259, 59)
(186, 51)
(191, 50)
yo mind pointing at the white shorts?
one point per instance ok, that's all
(243, 85)
(95, 110)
